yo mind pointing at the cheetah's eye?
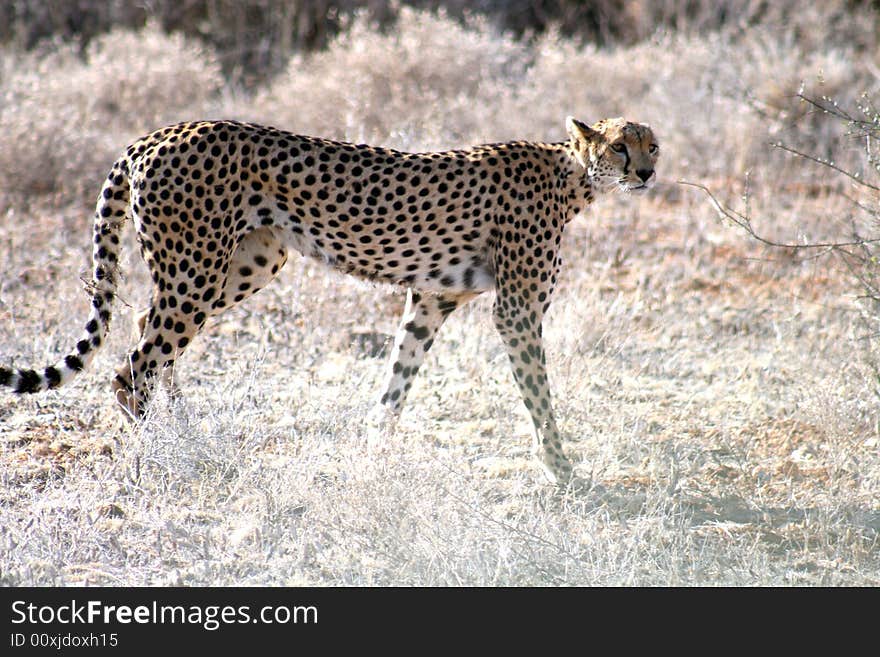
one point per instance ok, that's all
(653, 148)
(619, 148)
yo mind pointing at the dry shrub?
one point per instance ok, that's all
(429, 82)
(64, 118)
(254, 37)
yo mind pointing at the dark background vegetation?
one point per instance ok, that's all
(255, 38)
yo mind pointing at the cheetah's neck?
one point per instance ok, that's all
(577, 189)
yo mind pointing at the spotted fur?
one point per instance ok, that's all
(218, 205)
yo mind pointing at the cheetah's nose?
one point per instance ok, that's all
(644, 174)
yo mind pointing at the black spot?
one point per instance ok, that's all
(73, 363)
(123, 383)
(28, 381)
(53, 376)
(446, 306)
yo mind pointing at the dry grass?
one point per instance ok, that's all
(720, 396)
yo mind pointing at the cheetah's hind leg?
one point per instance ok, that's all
(423, 316)
(175, 317)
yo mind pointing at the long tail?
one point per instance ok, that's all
(110, 215)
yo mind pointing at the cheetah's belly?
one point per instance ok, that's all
(422, 268)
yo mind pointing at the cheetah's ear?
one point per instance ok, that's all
(582, 136)
(579, 131)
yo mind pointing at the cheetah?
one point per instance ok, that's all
(218, 205)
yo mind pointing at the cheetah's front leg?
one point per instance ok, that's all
(518, 311)
(521, 332)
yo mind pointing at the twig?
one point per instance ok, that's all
(826, 163)
(744, 222)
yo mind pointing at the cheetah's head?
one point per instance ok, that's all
(615, 152)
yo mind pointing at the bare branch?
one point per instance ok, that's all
(838, 112)
(826, 163)
(833, 109)
(859, 255)
(744, 222)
